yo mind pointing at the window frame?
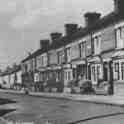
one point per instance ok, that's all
(82, 48)
(68, 54)
(116, 67)
(97, 43)
(122, 70)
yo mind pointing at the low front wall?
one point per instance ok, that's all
(119, 88)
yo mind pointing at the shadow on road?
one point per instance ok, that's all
(6, 111)
(97, 117)
(6, 101)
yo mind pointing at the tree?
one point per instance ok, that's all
(8, 68)
(15, 66)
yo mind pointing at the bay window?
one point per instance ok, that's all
(68, 75)
(118, 70)
(96, 72)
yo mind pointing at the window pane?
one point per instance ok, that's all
(122, 32)
(122, 70)
(117, 70)
(116, 67)
(98, 72)
(118, 34)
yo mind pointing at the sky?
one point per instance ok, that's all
(24, 22)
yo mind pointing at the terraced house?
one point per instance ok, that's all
(11, 77)
(94, 52)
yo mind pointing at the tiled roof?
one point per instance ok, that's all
(34, 54)
(101, 23)
(10, 71)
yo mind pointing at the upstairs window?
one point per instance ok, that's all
(68, 53)
(97, 44)
(38, 61)
(43, 62)
(60, 57)
(82, 48)
(120, 37)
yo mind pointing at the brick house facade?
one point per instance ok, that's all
(85, 51)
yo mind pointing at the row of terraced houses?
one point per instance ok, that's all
(86, 51)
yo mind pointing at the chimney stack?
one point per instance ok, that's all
(55, 36)
(91, 18)
(44, 44)
(119, 6)
(70, 29)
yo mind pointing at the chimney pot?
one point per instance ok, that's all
(44, 44)
(119, 6)
(55, 36)
(70, 29)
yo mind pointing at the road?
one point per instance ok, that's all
(37, 110)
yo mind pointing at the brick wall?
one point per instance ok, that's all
(53, 59)
(108, 38)
(75, 52)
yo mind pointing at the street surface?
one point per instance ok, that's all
(37, 110)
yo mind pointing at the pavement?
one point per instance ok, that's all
(98, 99)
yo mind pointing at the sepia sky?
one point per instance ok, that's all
(24, 22)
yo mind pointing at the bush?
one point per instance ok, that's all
(100, 81)
(86, 87)
(60, 86)
(26, 91)
(72, 83)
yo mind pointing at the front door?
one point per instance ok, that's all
(106, 72)
(89, 72)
